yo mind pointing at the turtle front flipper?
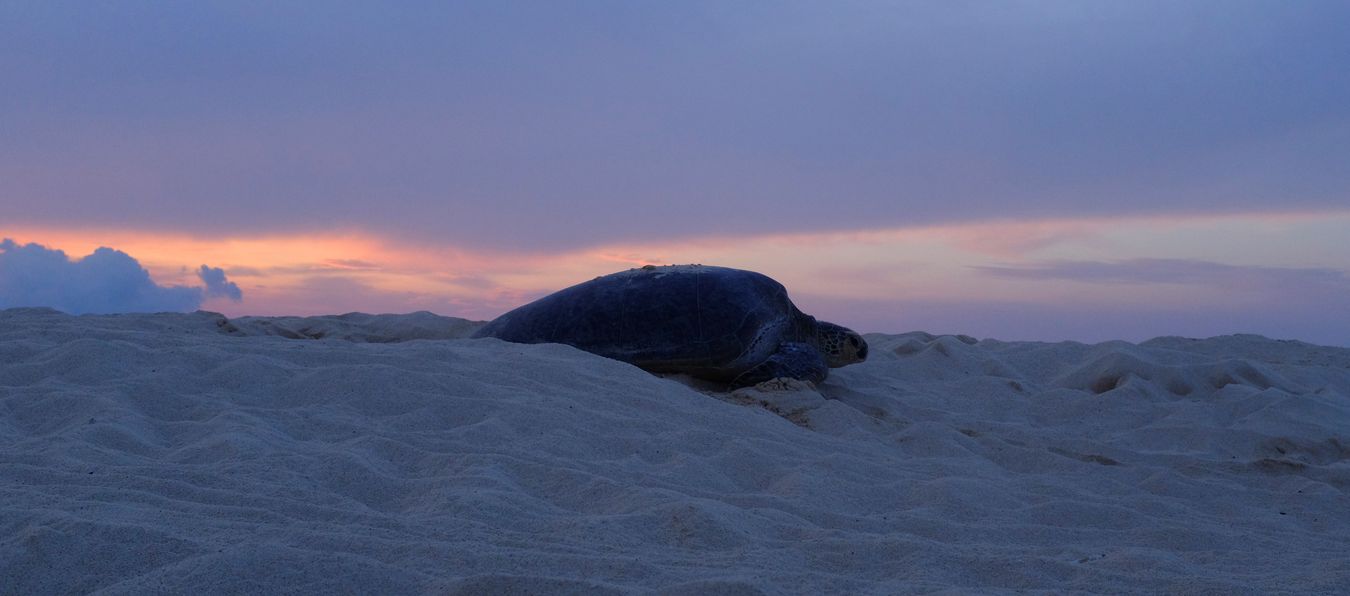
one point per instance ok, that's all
(794, 360)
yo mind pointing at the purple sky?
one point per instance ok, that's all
(534, 128)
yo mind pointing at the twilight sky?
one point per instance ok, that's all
(1024, 170)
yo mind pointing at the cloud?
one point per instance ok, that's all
(1136, 298)
(107, 281)
(1179, 271)
(350, 265)
(329, 294)
(1084, 321)
(217, 286)
(588, 127)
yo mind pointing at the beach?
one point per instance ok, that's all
(190, 453)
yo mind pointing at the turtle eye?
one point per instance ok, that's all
(853, 341)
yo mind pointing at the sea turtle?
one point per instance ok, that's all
(714, 323)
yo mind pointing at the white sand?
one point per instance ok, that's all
(150, 453)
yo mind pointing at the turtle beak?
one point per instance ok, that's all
(859, 347)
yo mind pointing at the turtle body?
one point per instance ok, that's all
(715, 323)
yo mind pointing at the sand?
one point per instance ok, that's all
(189, 453)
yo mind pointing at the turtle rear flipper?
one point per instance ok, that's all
(793, 359)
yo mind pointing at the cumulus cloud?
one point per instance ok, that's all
(217, 286)
(107, 281)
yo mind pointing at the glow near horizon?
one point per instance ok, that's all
(869, 279)
(465, 157)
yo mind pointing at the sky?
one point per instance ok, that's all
(1039, 170)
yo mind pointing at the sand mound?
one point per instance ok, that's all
(152, 453)
(358, 327)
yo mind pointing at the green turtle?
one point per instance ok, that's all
(715, 323)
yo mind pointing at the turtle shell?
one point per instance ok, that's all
(710, 322)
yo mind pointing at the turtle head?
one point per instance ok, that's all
(841, 346)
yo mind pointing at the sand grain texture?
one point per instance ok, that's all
(186, 453)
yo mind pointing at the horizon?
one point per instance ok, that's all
(1040, 171)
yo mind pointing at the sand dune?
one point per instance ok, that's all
(182, 453)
